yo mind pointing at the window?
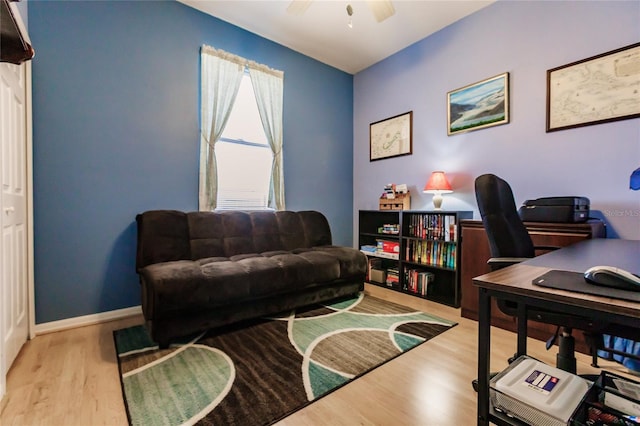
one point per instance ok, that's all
(243, 156)
(241, 133)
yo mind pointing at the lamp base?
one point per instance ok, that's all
(437, 201)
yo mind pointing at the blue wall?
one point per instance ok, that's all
(524, 38)
(115, 95)
(115, 112)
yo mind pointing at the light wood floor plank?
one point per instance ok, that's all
(70, 378)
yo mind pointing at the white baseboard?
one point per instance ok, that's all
(65, 324)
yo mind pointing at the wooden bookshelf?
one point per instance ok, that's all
(426, 259)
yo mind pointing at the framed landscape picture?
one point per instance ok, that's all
(478, 105)
(595, 90)
(391, 137)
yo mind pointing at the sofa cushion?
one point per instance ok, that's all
(230, 233)
(352, 262)
(163, 236)
(216, 281)
(168, 235)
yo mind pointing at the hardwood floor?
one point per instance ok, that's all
(71, 378)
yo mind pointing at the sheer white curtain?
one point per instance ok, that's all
(268, 87)
(221, 74)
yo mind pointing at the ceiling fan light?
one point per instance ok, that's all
(298, 7)
(382, 9)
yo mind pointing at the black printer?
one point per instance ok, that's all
(555, 209)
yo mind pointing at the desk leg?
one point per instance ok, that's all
(522, 329)
(484, 344)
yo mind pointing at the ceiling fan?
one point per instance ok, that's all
(382, 9)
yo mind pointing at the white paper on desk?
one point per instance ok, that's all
(402, 188)
(628, 406)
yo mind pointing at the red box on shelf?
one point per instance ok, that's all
(389, 246)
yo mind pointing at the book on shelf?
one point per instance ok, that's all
(393, 270)
(387, 251)
(383, 255)
(431, 252)
(388, 246)
(393, 277)
(368, 248)
(417, 281)
(389, 228)
(433, 226)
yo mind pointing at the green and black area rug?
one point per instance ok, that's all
(259, 372)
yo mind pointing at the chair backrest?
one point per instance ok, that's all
(508, 237)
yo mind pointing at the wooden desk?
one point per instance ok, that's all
(475, 253)
(515, 283)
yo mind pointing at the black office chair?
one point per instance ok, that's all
(510, 243)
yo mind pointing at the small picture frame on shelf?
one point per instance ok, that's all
(478, 105)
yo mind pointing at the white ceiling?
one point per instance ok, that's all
(322, 32)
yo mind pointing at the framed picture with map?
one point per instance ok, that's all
(595, 90)
(391, 137)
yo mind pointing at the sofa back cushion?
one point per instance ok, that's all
(303, 229)
(163, 236)
(166, 235)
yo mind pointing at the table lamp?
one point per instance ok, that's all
(437, 185)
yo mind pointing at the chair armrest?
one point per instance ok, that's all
(546, 247)
(502, 262)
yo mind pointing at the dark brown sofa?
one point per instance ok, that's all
(201, 270)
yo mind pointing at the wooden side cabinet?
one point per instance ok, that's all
(475, 253)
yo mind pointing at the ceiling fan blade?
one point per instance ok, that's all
(382, 9)
(298, 7)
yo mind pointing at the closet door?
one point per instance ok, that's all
(14, 312)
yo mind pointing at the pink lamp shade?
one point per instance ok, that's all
(438, 182)
(437, 185)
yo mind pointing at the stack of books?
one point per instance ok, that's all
(417, 281)
(368, 248)
(389, 228)
(393, 277)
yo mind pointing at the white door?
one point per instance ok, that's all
(13, 216)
